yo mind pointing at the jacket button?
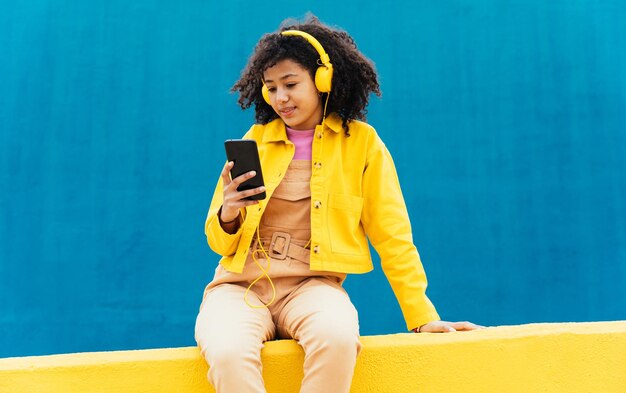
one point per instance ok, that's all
(316, 249)
(319, 135)
(317, 204)
(317, 165)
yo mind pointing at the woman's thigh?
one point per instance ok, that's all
(226, 324)
(320, 308)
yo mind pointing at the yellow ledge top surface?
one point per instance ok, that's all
(275, 348)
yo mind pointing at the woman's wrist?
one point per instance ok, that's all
(220, 214)
(222, 221)
(231, 226)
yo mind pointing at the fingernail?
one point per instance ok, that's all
(252, 173)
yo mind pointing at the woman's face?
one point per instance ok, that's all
(293, 95)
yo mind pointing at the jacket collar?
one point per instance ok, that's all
(275, 130)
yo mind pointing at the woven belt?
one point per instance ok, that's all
(281, 247)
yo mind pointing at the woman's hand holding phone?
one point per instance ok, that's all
(233, 199)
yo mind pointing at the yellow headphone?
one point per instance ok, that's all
(324, 73)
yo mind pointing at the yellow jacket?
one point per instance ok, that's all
(354, 192)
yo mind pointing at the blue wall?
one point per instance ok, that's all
(506, 119)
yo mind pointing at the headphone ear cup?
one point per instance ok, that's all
(266, 94)
(324, 78)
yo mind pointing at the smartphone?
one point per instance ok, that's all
(245, 155)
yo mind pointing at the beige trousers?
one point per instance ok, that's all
(310, 307)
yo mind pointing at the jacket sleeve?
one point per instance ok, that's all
(386, 222)
(219, 240)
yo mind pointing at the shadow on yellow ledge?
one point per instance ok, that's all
(559, 357)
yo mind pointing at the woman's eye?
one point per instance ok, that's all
(271, 89)
(290, 85)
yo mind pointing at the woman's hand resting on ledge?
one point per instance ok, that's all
(445, 327)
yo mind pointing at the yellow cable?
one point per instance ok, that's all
(325, 105)
(260, 244)
(263, 273)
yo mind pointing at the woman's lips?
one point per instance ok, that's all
(287, 111)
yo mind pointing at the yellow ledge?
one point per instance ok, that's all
(563, 357)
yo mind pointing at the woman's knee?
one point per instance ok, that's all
(235, 367)
(227, 355)
(337, 339)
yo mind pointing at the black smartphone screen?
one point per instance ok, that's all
(245, 155)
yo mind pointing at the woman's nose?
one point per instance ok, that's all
(281, 95)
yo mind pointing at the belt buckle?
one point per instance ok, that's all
(280, 240)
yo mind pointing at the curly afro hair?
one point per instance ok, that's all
(354, 76)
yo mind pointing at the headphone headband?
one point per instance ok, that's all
(323, 74)
(313, 41)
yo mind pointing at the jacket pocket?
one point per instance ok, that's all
(344, 220)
